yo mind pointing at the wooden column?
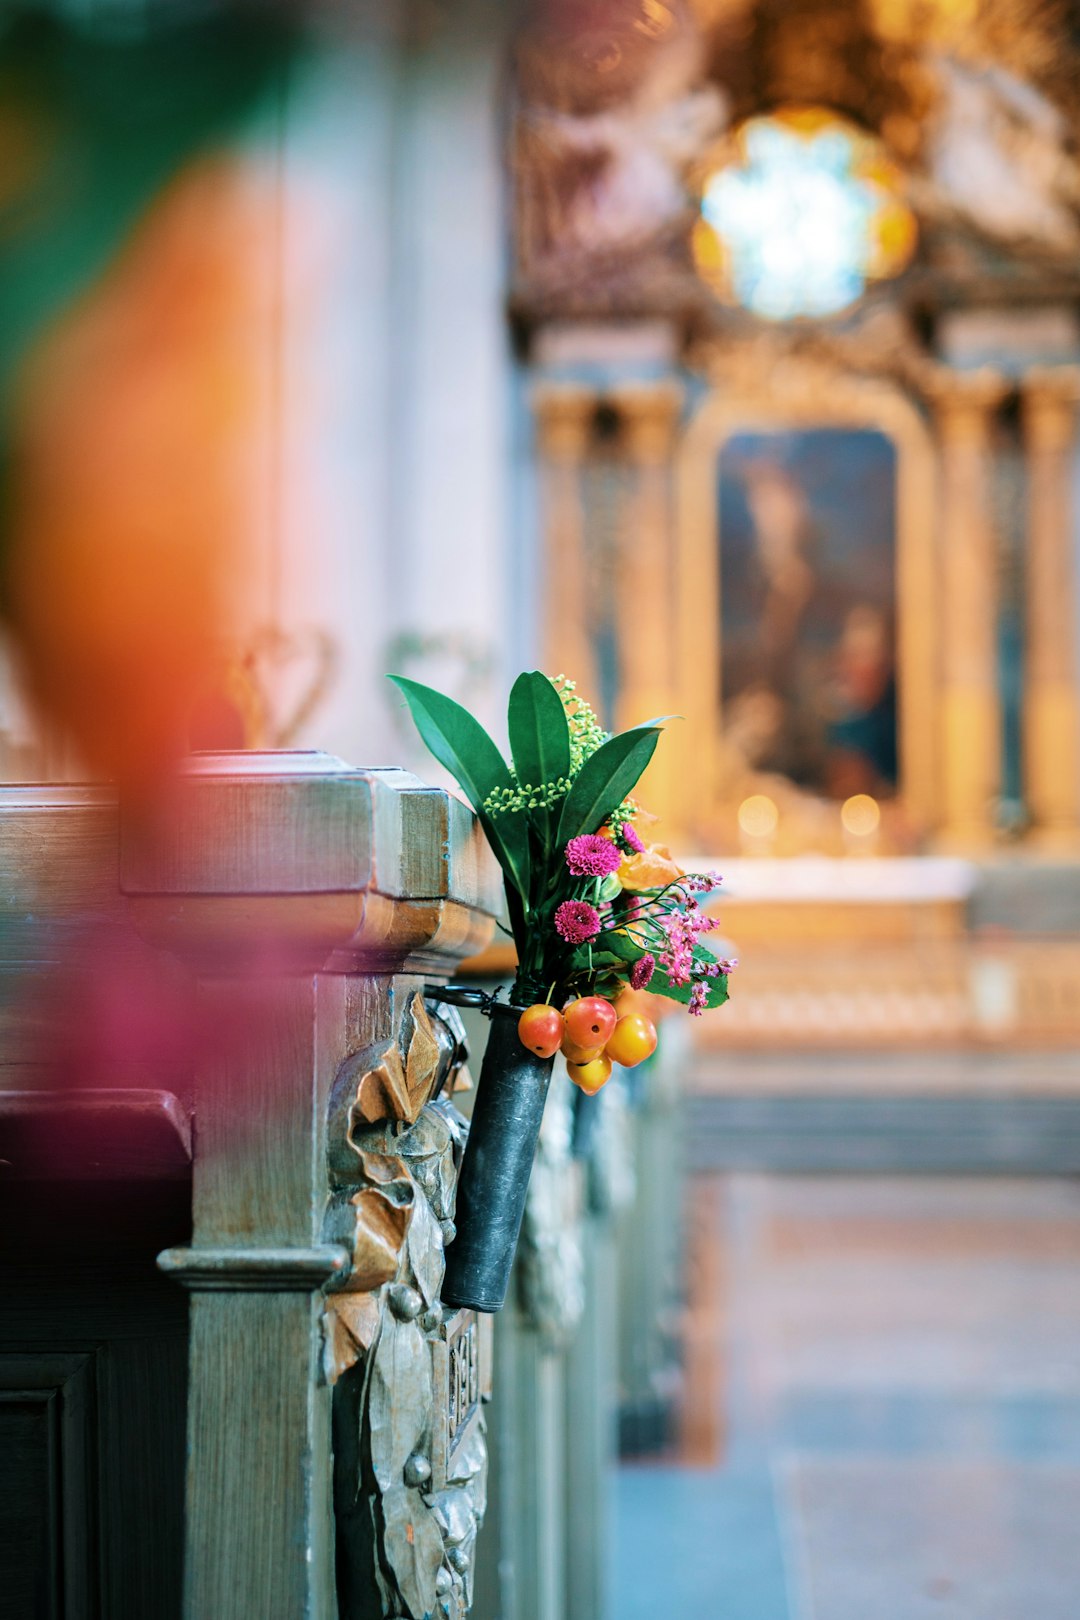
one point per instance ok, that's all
(564, 416)
(307, 896)
(970, 702)
(646, 582)
(1051, 726)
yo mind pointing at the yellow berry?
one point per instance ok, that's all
(590, 1076)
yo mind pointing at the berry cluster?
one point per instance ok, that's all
(591, 1035)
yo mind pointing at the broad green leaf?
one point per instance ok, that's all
(461, 744)
(509, 840)
(604, 781)
(717, 992)
(457, 740)
(539, 733)
(515, 911)
(583, 959)
(620, 946)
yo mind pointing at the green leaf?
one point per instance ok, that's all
(461, 744)
(539, 733)
(515, 911)
(457, 740)
(604, 781)
(509, 840)
(717, 992)
(620, 946)
(582, 959)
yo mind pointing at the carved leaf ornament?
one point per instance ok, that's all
(424, 1496)
(398, 1088)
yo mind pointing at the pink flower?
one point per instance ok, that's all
(698, 997)
(589, 855)
(577, 921)
(630, 837)
(642, 971)
(682, 930)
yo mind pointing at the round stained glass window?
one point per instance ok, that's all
(801, 212)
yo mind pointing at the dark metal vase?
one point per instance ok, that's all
(494, 1180)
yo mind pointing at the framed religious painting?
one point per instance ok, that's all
(806, 522)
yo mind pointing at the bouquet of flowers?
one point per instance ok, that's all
(593, 910)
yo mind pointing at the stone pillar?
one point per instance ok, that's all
(646, 583)
(1051, 728)
(970, 704)
(308, 898)
(564, 417)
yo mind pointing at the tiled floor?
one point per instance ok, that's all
(901, 1409)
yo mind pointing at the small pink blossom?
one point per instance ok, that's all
(698, 997)
(631, 838)
(589, 855)
(682, 930)
(642, 971)
(577, 921)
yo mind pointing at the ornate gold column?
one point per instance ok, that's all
(1051, 728)
(970, 702)
(564, 415)
(646, 582)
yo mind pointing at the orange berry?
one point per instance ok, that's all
(589, 1021)
(634, 1039)
(579, 1054)
(541, 1029)
(590, 1076)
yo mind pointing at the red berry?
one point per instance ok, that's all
(541, 1029)
(590, 1021)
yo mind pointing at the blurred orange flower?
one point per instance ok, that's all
(652, 869)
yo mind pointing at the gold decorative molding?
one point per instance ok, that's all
(645, 581)
(963, 401)
(1049, 400)
(964, 404)
(1049, 397)
(648, 415)
(564, 413)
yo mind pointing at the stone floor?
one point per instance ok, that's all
(898, 1366)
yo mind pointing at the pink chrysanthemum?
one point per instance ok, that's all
(642, 971)
(631, 838)
(577, 922)
(698, 997)
(589, 855)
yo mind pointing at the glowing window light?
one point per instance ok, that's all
(758, 816)
(860, 815)
(802, 212)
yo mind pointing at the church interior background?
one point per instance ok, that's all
(725, 355)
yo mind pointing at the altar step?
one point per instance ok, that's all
(903, 952)
(955, 1135)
